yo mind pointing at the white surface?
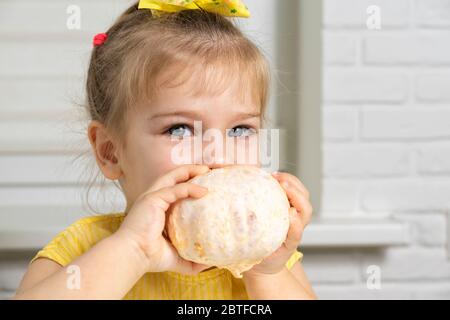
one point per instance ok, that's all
(332, 233)
(355, 233)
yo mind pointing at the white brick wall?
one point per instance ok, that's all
(423, 48)
(344, 85)
(386, 136)
(433, 87)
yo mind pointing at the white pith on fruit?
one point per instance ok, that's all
(242, 219)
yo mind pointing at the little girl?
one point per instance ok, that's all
(158, 69)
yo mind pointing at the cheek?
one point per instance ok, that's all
(183, 151)
(158, 158)
(147, 158)
(162, 160)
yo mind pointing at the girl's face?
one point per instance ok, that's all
(161, 136)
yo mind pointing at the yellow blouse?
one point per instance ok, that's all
(211, 284)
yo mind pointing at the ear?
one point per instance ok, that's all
(105, 150)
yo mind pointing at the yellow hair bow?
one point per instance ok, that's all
(228, 8)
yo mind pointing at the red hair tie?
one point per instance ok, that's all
(99, 39)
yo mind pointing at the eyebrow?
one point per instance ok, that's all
(193, 114)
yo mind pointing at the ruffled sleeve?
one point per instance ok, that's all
(63, 248)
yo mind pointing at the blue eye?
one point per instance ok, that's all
(179, 130)
(241, 131)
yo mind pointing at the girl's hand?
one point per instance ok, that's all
(144, 224)
(299, 215)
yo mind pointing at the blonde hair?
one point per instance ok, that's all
(141, 48)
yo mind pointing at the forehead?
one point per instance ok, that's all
(202, 90)
(198, 83)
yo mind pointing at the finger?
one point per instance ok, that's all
(292, 180)
(295, 230)
(163, 198)
(198, 267)
(299, 202)
(307, 212)
(188, 267)
(180, 174)
(176, 263)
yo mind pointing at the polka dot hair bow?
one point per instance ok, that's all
(228, 8)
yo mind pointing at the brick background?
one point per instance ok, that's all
(386, 136)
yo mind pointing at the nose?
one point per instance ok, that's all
(215, 162)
